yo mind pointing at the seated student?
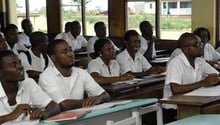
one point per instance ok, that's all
(66, 30)
(21, 98)
(210, 54)
(11, 38)
(131, 60)
(104, 68)
(35, 60)
(24, 37)
(74, 39)
(188, 71)
(147, 39)
(3, 45)
(100, 31)
(66, 84)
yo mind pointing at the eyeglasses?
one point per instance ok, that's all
(195, 44)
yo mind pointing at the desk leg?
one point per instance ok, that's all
(159, 115)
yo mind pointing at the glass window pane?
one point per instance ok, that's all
(38, 15)
(96, 10)
(21, 12)
(174, 20)
(185, 4)
(138, 12)
(71, 11)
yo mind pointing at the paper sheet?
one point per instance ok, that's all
(205, 91)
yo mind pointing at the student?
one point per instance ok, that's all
(76, 41)
(188, 71)
(35, 60)
(11, 38)
(3, 45)
(100, 31)
(21, 98)
(1, 33)
(210, 54)
(147, 46)
(104, 68)
(65, 84)
(24, 37)
(66, 30)
(131, 60)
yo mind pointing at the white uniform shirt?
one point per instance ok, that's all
(37, 64)
(144, 46)
(24, 39)
(180, 71)
(210, 53)
(28, 93)
(15, 49)
(60, 35)
(75, 43)
(175, 53)
(97, 65)
(91, 43)
(59, 89)
(126, 62)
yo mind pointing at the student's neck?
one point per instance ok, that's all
(9, 87)
(146, 37)
(131, 54)
(105, 61)
(74, 36)
(66, 72)
(11, 45)
(191, 60)
(36, 52)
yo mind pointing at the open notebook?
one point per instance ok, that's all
(67, 116)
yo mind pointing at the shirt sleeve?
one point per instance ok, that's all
(24, 61)
(92, 88)
(145, 64)
(93, 67)
(84, 42)
(90, 45)
(208, 68)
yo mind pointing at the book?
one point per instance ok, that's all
(69, 115)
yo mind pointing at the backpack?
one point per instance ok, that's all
(30, 61)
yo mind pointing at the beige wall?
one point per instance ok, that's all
(204, 15)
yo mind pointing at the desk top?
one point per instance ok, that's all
(125, 86)
(190, 100)
(198, 120)
(133, 104)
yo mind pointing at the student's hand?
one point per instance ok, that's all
(88, 102)
(127, 76)
(211, 79)
(38, 114)
(157, 70)
(20, 109)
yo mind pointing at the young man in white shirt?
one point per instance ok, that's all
(66, 84)
(76, 41)
(131, 60)
(66, 30)
(20, 97)
(100, 31)
(35, 60)
(188, 71)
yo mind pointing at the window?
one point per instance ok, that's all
(95, 11)
(172, 4)
(36, 13)
(138, 12)
(185, 4)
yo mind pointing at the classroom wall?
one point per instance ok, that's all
(204, 15)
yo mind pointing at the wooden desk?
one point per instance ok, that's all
(151, 87)
(198, 120)
(99, 117)
(191, 105)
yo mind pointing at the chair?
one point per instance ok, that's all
(134, 120)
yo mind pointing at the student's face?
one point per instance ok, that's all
(108, 51)
(76, 30)
(203, 35)
(63, 55)
(196, 48)
(133, 44)
(12, 36)
(28, 27)
(101, 31)
(3, 46)
(11, 69)
(147, 29)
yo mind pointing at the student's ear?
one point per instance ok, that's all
(53, 58)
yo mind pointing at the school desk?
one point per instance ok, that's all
(117, 113)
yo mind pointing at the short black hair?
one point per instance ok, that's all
(3, 54)
(130, 33)
(197, 31)
(24, 21)
(96, 26)
(144, 23)
(37, 38)
(52, 45)
(99, 44)
(75, 23)
(8, 29)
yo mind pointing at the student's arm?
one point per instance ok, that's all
(152, 70)
(71, 104)
(52, 109)
(20, 109)
(107, 80)
(210, 80)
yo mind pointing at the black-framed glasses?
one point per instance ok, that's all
(195, 44)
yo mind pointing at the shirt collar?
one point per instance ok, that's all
(137, 55)
(99, 60)
(186, 62)
(20, 89)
